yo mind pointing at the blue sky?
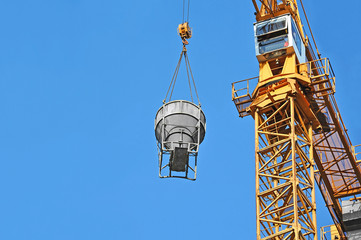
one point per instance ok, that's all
(80, 84)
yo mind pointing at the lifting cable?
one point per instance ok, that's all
(184, 8)
(309, 27)
(185, 33)
(189, 76)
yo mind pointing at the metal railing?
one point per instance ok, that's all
(357, 151)
(322, 76)
(329, 233)
(241, 95)
(239, 90)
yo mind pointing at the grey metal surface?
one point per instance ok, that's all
(351, 216)
(354, 235)
(179, 159)
(179, 121)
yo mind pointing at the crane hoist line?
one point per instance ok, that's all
(180, 125)
(184, 31)
(189, 77)
(186, 6)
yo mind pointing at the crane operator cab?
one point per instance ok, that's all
(278, 37)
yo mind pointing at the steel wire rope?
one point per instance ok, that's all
(188, 11)
(309, 27)
(194, 83)
(188, 67)
(189, 76)
(176, 75)
(189, 80)
(174, 79)
(183, 10)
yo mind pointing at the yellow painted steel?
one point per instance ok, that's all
(285, 186)
(185, 32)
(330, 231)
(300, 138)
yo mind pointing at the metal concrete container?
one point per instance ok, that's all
(177, 124)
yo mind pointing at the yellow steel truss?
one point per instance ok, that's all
(300, 137)
(337, 169)
(285, 188)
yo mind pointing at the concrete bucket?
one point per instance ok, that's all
(180, 127)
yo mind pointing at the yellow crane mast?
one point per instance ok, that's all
(300, 138)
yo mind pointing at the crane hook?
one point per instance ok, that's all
(185, 32)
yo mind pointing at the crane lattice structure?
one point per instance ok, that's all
(300, 137)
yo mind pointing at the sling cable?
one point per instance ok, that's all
(180, 125)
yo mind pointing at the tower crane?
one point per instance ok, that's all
(300, 138)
